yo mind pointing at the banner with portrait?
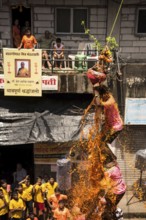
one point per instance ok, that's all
(22, 72)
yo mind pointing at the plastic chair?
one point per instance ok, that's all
(80, 51)
(92, 54)
(87, 49)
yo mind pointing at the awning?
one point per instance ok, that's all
(51, 118)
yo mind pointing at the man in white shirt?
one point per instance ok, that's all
(20, 173)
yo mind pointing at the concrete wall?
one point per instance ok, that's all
(44, 20)
(43, 15)
(101, 16)
(132, 46)
(5, 26)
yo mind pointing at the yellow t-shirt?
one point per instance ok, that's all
(50, 189)
(4, 210)
(6, 194)
(27, 192)
(21, 196)
(38, 195)
(15, 204)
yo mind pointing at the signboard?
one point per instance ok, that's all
(45, 153)
(22, 72)
(135, 111)
(48, 82)
(1, 81)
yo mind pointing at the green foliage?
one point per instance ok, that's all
(87, 31)
(110, 41)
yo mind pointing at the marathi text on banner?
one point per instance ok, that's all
(48, 82)
(22, 72)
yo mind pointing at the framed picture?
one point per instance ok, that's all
(22, 68)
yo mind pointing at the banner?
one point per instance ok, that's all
(22, 72)
(48, 82)
(49, 153)
(1, 81)
(135, 111)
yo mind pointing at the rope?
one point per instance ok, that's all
(116, 17)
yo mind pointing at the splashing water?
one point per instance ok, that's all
(89, 173)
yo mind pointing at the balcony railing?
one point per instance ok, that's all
(74, 60)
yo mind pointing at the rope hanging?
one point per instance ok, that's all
(116, 18)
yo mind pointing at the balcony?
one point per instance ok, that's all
(71, 77)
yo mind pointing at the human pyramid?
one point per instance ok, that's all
(100, 185)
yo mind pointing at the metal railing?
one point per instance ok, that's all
(74, 60)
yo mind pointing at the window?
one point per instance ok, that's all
(63, 18)
(68, 20)
(141, 21)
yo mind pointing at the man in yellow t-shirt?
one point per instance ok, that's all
(21, 196)
(16, 207)
(28, 194)
(4, 187)
(3, 206)
(50, 187)
(39, 197)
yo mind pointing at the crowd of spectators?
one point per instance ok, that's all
(41, 200)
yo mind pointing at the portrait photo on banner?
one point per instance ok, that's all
(22, 68)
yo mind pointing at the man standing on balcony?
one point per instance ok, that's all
(45, 42)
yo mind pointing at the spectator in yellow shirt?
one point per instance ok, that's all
(28, 194)
(50, 187)
(3, 206)
(4, 187)
(39, 197)
(16, 207)
(21, 196)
